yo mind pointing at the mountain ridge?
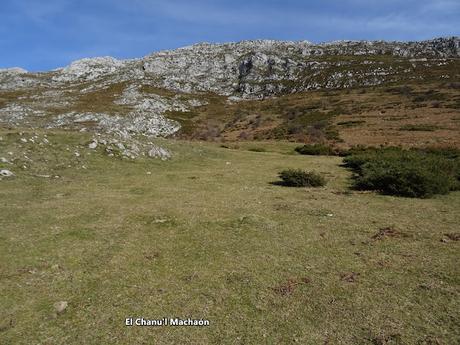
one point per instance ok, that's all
(454, 39)
(171, 90)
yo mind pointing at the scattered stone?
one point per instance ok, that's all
(159, 152)
(160, 221)
(60, 307)
(93, 145)
(6, 173)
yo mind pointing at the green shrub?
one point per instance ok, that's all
(257, 149)
(351, 123)
(315, 150)
(409, 173)
(446, 152)
(419, 128)
(300, 178)
(332, 134)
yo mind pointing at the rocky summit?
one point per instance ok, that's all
(136, 96)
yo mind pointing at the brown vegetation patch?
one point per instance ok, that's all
(387, 232)
(349, 277)
(453, 236)
(288, 287)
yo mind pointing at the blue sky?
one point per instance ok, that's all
(46, 34)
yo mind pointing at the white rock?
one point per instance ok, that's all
(159, 152)
(60, 307)
(92, 145)
(13, 70)
(6, 173)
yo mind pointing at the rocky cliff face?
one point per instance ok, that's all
(133, 95)
(261, 68)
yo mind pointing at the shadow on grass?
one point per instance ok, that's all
(282, 184)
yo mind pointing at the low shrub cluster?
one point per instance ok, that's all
(409, 173)
(419, 127)
(317, 150)
(351, 123)
(300, 178)
(257, 149)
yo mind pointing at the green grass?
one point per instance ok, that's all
(207, 235)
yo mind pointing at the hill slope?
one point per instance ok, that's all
(250, 90)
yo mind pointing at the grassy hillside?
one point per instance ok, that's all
(207, 235)
(413, 103)
(413, 114)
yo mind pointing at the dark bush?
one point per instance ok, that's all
(315, 150)
(351, 123)
(257, 149)
(300, 178)
(446, 152)
(332, 134)
(400, 90)
(419, 127)
(409, 173)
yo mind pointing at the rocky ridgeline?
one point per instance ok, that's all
(253, 69)
(228, 68)
(244, 70)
